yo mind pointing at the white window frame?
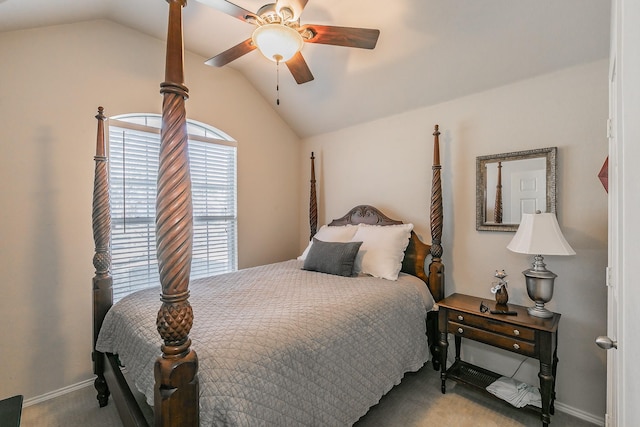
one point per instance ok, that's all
(133, 167)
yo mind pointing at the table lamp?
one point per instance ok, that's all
(539, 234)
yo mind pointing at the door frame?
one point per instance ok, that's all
(624, 205)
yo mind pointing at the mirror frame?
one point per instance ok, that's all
(549, 154)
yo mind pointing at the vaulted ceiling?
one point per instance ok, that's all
(429, 51)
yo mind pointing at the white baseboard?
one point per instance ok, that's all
(56, 393)
(599, 421)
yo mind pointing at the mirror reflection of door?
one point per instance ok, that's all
(528, 193)
(523, 189)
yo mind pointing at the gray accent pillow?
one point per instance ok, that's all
(332, 257)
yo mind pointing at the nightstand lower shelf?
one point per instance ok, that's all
(478, 378)
(471, 375)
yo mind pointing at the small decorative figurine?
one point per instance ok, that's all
(499, 288)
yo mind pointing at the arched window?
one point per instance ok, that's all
(134, 145)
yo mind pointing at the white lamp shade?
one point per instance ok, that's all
(277, 42)
(539, 234)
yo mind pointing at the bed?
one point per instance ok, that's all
(281, 344)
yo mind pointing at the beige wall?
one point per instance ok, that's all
(53, 80)
(387, 163)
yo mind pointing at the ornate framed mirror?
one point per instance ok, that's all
(510, 184)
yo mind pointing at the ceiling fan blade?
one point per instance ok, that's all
(231, 54)
(228, 8)
(362, 38)
(296, 6)
(299, 69)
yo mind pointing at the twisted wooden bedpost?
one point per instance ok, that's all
(313, 201)
(176, 388)
(498, 205)
(436, 268)
(102, 281)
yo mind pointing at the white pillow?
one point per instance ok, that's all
(382, 249)
(342, 233)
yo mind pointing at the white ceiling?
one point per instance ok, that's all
(429, 51)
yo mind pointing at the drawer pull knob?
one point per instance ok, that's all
(461, 318)
(516, 332)
(460, 330)
(516, 346)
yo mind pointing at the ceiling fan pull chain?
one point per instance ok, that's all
(277, 80)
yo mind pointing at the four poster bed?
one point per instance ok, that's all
(291, 343)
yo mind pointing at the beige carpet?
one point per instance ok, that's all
(416, 402)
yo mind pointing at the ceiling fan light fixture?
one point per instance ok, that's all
(277, 42)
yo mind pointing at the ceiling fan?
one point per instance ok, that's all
(279, 35)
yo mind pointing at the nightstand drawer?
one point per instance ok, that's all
(497, 340)
(497, 326)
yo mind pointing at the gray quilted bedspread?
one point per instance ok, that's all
(280, 346)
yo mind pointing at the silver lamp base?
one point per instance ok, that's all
(539, 282)
(540, 311)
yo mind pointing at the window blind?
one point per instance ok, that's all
(134, 147)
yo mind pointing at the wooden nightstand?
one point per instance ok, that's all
(523, 334)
